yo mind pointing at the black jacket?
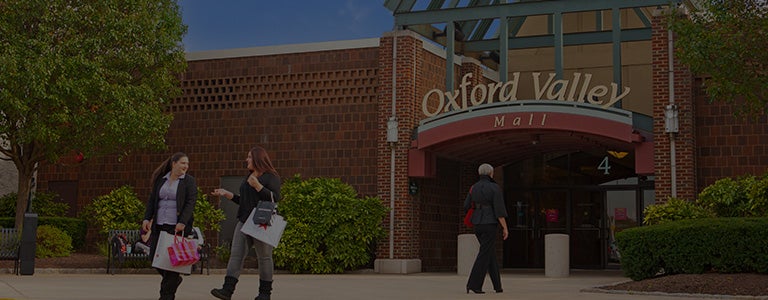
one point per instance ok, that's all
(488, 199)
(186, 197)
(249, 197)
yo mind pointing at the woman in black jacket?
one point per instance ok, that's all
(171, 205)
(261, 184)
(490, 213)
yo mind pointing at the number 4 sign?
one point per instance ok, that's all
(605, 165)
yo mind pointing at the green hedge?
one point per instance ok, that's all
(75, 228)
(724, 245)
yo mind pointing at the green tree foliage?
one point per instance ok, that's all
(120, 209)
(85, 78)
(42, 204)
(207, 217)
(726, 40)
(330, 229)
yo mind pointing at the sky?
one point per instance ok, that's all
(228, 24)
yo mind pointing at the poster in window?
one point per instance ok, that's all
(553, 215)
(620, 213)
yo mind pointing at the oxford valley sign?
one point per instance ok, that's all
(578, 88)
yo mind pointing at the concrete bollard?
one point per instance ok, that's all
(556, 255)
(468, 246)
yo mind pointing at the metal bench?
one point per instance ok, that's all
(10, 243)
(116, 257)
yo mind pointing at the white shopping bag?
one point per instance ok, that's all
(162, 259)
(269, 234)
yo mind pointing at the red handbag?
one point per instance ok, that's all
(470, 211)
(468, 216)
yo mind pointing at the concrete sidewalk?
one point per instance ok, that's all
(444, 286)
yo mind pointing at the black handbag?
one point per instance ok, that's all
(263, 211)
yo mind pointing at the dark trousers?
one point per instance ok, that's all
(485, 263)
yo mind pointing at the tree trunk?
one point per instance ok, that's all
(22, 196)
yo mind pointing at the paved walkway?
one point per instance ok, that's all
(57, 284)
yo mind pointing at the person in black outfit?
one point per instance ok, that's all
(261, 184)
(170, 208)
(490, 212)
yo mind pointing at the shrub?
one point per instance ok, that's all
(757, 195)
(726, 197)
(42, 204)
(724, 245)
(672, 210)
(73, 227)
(52, 242)
(120, 209)
(330, 229)
(207, 217)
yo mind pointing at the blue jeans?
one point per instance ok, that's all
(239, 250)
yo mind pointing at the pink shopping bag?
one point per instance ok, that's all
(183, 251)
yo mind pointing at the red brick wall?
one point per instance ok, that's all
(685, 140)
(729, 145)
(315, 113)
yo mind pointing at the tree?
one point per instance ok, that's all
(85, 78)
(725, 41)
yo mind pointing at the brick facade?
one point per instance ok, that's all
(324, 113)
(292, 104)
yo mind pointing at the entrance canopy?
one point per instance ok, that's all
(512, 131)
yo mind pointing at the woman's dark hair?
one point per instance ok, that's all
(261, 161)
(165, 166)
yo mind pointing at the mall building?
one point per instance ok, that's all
(579, 105)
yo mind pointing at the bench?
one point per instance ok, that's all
(10, 243)
(116, 257)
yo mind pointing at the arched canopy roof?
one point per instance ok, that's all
(509, 132)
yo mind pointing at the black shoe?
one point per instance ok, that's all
(221, 294)
(499, 290)
(475, 291)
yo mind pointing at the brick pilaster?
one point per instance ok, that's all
(684, 140)
(406, 210)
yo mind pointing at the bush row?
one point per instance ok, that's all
(73, 227)
(724, 245)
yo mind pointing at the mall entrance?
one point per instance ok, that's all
(589, 196)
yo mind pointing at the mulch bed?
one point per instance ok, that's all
(709, 283)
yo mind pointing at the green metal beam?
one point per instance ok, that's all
(570, 39)
(557, 27)
(599, 20)
(435, 4)
(399, 6)
(519, 9)
(616, 37)
(640, 14)
(450, 49)
(481, 30)
(516, 24)
(503, 50)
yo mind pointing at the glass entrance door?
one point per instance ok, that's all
(587, 238)
(533, 214)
